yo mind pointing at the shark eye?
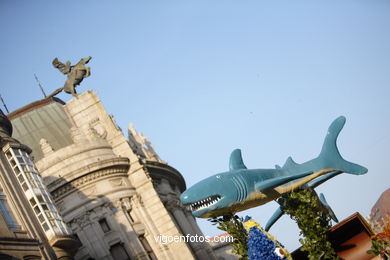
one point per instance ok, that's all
(218, 176)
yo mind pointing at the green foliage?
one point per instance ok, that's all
(380, 247)
(233, 225)
(302, 206)
(381, 242)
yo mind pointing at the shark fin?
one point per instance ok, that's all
(275, 217)
(318, 181)
(278, 167)
(330, 156)
(289, 163)
(235, 162)
(328, 209)
(274, 182)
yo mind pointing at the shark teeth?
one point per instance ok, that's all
(204, 203)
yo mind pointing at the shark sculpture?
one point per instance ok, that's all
(241, 188)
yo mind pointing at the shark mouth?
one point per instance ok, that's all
(204, 203)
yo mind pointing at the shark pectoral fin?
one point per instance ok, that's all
(314, 183)
(328, 208)
(272, 183)
(275, 217)
(236, 162)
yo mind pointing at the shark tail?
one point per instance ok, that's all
(330, 156)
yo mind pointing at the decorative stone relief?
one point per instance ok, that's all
(80, 222)
(46, 147)
(97, 129)
(88, 191)
(60, 205)
(141, 145)
(172, 204)
(137, 199)
(126, 204)
(117, 182)
(75, 184)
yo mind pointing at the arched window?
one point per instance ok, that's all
(5, 211)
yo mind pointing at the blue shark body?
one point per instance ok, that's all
(241, 188)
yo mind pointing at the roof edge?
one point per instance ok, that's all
(32, 106)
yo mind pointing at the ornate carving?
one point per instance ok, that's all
(124, 204)
(75, 184)
(141, 145)
(80, 222)
(46, 147)
(97, 129)
(88, 191)
(173, 204)
(137, 199)
(117, 182)
(60, 206)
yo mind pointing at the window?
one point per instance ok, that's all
(104, 225)
(30, 180)
(12, 162)
(9, 155)
(25, 187)
(41, 218)
(20, 159)
(147, 247)
(118, 252)
(37, 209)
(45, 226)
(4, 210)
(21, 179)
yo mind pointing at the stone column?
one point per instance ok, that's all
(122, 217)
(61, 254)
(95, 246)
(192, 222)
(199, 248)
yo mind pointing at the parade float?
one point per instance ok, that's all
(220, 196)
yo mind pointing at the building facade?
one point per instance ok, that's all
(113, 192)
(30, 225)
(380, 212)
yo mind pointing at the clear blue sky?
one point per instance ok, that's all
(200, 78)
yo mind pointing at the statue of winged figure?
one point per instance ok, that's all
(75, 73)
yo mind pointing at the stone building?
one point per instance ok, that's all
(380, 212)
(30, 226)
(114, 193)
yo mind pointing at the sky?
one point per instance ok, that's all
(201, 78)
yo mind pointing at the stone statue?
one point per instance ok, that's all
(75, 73)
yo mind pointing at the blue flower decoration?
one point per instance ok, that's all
(260, 247)
(247, 218)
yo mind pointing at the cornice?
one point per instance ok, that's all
(60, 191)
(70, 151)
(159, 170)
(117, 162)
